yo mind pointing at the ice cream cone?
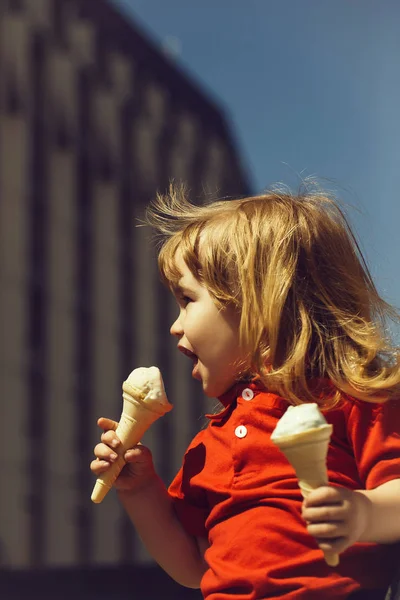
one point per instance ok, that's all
(141, 408)
(307, 451)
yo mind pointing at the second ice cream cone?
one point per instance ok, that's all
(307, 451)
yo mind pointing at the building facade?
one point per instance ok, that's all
(93, 121)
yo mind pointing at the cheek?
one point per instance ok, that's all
(224, 341)
(201, 324)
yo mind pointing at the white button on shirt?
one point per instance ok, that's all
(241, 431)
(247, 394)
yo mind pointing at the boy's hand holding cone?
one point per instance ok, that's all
(144, 401)
(303, 435)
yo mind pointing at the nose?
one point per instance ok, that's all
(176, 328)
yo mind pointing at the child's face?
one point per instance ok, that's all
(207, 334)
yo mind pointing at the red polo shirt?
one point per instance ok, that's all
(238, 490)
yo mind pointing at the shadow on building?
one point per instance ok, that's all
(93, 120)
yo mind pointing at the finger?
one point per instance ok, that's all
(327, 531)
(323, 514)
(103, 452)
(138, 453)
(106, 424)
(99, 466)
(324, 495)
(110, 438)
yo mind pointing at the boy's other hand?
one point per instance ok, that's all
(336, 517)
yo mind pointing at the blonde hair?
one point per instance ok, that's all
(292, 267)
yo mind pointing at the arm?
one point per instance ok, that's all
(384, 513)
(150, 508)
(152, 513)
(338, 518)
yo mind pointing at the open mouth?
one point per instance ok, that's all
(188, 353)
(194, 358)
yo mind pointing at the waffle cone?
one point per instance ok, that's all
(307, 452)
(136, 418)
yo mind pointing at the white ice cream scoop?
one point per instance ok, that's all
(299, 418)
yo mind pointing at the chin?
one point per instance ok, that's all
(210, 391)
(215, 391)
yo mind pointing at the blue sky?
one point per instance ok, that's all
(312, 87)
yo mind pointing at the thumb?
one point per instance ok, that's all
(107, 424)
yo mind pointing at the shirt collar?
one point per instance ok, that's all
(231, 396)
(322, 387)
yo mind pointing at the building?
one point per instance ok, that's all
(93, 120)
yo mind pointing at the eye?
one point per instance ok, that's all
(185, 300)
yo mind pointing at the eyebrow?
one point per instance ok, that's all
(179, 288)
(176, 287)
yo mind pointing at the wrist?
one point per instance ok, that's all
(146, 487)
(363, 515)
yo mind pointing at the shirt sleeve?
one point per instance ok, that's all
(374, 433)
(190, 501)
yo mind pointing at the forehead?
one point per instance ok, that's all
(179, 257)
(184, 275)
(180, 263)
